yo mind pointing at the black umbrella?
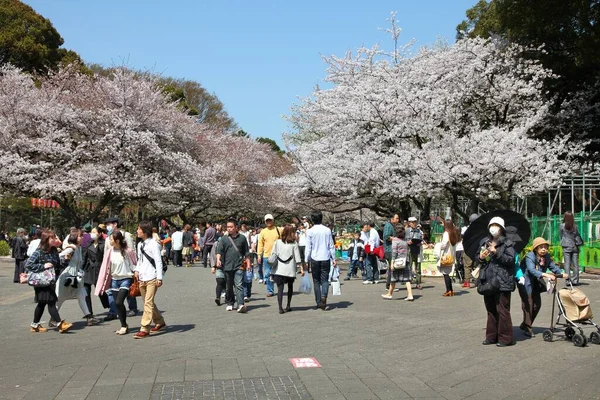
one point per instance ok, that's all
(517, 230)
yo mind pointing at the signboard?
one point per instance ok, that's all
(306, 362)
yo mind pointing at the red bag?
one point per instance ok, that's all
(379, 252)
(367, 249)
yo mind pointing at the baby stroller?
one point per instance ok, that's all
(574, 307)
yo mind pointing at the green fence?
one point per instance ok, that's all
(589, 228)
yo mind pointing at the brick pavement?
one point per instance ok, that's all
(368, 348)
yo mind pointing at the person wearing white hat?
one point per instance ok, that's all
(497, 256)
(266, 240)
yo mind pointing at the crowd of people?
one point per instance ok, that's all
(113, 261)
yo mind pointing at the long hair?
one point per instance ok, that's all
(119, 238)
(45, 238)
(289, 234)
(452, 233)
(569, 221)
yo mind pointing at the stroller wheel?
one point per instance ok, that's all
(579, 340)
(548, 335)
(569, 332)
(595, 337)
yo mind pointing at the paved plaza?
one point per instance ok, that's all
(367, 348)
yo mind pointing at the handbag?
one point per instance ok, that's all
(399, 263)
(134, 288)
(487, 286)
(336, 288)
(41, 279)
(379, 252)
(447, 260)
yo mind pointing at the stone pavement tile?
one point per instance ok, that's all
(423, 393)
(252, 368)
(380, 384)
(171, 371)
(350, 385)
(397, 393)
(311, 372)
(115, 374)
(319, 387)
(279, 366)
(74, 392)
(225, 368)
(408, 382)
(360, 396)
(339, 371)
(52, 383)
(105, 392)
(198, 370)
(86, 374)
(135, 391)
(143, 373)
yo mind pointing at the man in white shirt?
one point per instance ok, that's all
(149, 271)
(320, 253)
(177, 247)
(371, 265)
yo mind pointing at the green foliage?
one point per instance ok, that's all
(482, 20)
(274, 146)
(4, 248)
(28, 40)
(568, 36)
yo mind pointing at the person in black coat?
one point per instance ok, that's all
(19, 253)
(356, 254)
(93, 255)
(498, 268)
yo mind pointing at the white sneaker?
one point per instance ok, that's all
(376, 282)
(260, 281)
(367, 282)
(242, 309)
(397, 290)
(245, 299)
(229, 308)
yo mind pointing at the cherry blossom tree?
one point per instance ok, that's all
(451, 120)
(114, 139)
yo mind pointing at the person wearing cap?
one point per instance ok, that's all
(266, 240)
(466, 260)
(86, 238)
(414, 238)
(534, 265)
(498, 258)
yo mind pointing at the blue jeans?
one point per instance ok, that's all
(372, 268)
(112, 307)
(267, 276)
(320, 274)
(234, 281)
(355, 265)
(248, 283)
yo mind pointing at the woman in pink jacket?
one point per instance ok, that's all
(116, 274)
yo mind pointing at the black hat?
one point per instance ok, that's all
(113, 220)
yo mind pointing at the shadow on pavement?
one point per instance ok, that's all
(177, 328)
(251, 307)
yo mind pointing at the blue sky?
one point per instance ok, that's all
(257, 56)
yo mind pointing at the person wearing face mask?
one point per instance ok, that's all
(93, 254)
(497, 256)
(534, 265)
